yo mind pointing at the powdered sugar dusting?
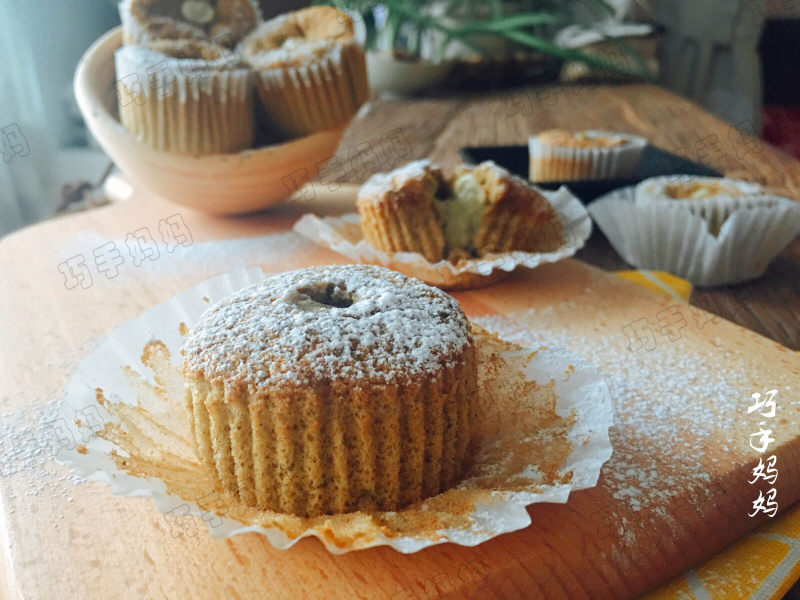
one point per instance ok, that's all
(351, 322)
(674, 410)
(382, 183)
(295, 55)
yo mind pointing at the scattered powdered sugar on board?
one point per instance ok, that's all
(218, 256)
(29, 440)
(676, 409)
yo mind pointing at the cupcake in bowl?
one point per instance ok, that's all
(185, 96)
(225, 22)
(311, 74)
(560, 155)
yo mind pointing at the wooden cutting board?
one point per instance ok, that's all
(675, 491)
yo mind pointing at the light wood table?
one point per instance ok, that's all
(61, 538)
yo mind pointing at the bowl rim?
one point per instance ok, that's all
(97, 115)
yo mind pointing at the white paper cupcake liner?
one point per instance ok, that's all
(343, 235)
(189, 106)
(715, 210)
(563, 164)
(665, 237)
(153, 74)
(322, 94)
(104, 380)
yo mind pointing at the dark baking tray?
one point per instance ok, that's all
(654, 162)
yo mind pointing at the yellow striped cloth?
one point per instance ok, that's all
(762, 565)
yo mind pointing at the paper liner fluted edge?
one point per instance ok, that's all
(326, 231)
(671, 238)
(593, 162)
(585, 392)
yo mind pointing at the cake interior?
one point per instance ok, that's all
(460, 207)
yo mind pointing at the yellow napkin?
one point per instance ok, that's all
(763, 564)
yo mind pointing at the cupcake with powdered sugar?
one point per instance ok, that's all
(311, 74)
(560, 155)
(184, 96)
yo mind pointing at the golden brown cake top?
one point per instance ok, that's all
(223, 21)
(351, 323)
(298, 38)
(580, 139)
(699, 189)
(160, 28)
(190, 50)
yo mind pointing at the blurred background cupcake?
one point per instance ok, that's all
(225, 22)
(712, 198)
(185, 96)
(711, 231)
(560, 155)
(310, 72)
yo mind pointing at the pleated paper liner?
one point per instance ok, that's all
(554, 163)
(543, 432)
(714, 209)
(320, 95)
(187, 106)
(343, 234)
(671, 238)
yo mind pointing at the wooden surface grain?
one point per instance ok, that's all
(438, 127)
(61, 538)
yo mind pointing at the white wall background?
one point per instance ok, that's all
(41, 42)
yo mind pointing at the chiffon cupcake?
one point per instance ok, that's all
(712, 198)
(560, 155)
(331, 390)
(311, 74)
(185, 96)
(225, 22)
(711, 231)
(474, 212)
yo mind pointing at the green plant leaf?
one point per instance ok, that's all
(568, 53)
(526, 28)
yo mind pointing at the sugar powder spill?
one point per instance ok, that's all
(667, 452)
(29, 441)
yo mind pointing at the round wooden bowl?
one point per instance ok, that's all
(223, 184)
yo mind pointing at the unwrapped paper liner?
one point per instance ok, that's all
(581, 399)
(343, 235)
(671, 238)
